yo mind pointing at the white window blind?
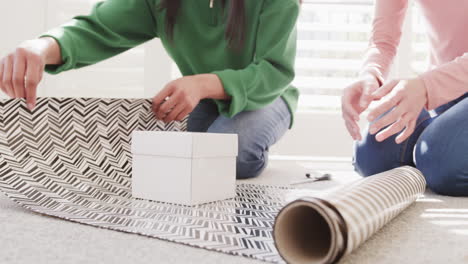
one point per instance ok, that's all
(419, 43)
(332, 39)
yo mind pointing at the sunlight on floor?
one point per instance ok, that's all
(450, 222)
(454, 220)
(444, 215)
(428, 200)
(460, 231)
(447, 210)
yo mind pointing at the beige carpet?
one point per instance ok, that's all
(434, 230)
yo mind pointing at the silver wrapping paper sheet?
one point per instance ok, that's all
(70, 158)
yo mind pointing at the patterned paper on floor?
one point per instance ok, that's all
(70, 158)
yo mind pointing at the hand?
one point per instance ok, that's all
(22, 70)
(181, 96)
(356, 99)
(403, 101)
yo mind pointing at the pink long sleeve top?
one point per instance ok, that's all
(447, 30)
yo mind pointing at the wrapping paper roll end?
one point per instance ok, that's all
(310, 230)
(323, 230)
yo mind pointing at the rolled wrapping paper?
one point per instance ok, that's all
(324, 229)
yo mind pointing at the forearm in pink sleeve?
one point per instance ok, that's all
(385, 36)
(446, 82)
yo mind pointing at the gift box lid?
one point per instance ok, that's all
(184, 144)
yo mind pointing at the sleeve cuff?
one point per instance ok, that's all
(66, 51)
(376, 73)
(233, 86)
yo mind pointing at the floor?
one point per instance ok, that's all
(433, 230)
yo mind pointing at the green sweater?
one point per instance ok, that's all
(254, 77)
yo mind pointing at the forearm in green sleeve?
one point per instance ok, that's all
(113, 27)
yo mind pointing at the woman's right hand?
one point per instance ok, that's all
(355, 100)
(22, 70)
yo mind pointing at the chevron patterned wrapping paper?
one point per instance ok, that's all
(324, 228)
(70, 158)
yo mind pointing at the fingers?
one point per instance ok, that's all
(402, 106)
(385, 120)
(350, 130)
(407, 132)
(183, 95)
(168, 106)
(389, 102)
(1, 77)
(7, 76)
(20, 73)
(369, 87)
(32, 78)
(351, 124)
(350, 115)
(19, 70)
(392, 129)
(161, 97)
(351, 112)
(353, 129)
(347, 106)
(174, 113)
(183, 114)
(384, 90)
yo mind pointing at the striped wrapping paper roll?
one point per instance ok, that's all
(324, 229)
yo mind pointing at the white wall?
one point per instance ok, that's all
(20, 20)
(319, 133)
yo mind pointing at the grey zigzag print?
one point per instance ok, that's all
(70, 158)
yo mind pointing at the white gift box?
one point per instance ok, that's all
(183, 168)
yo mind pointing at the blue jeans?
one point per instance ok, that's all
(257, 131)
(438, 148)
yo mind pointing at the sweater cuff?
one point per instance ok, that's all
(232, 84)
(374, 72)
(66, 51)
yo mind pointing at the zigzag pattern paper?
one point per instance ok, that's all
(70, 158)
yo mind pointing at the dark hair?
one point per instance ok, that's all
(235, 26)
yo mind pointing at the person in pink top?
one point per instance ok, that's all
(421, 122)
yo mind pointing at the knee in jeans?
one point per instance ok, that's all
(247, 170)
(444, 184)
(252, 157)
(367, 159)
(439, 179)
(443, 176)
(251, 165)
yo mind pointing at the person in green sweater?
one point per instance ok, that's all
(236, 56)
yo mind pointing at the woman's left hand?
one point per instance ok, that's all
(181, 96)
(177, 99)
(402, 101)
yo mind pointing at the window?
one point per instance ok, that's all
(332, 38)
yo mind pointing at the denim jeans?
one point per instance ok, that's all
(257, 131)
(438, 148)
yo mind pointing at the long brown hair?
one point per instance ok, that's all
(235, 26)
